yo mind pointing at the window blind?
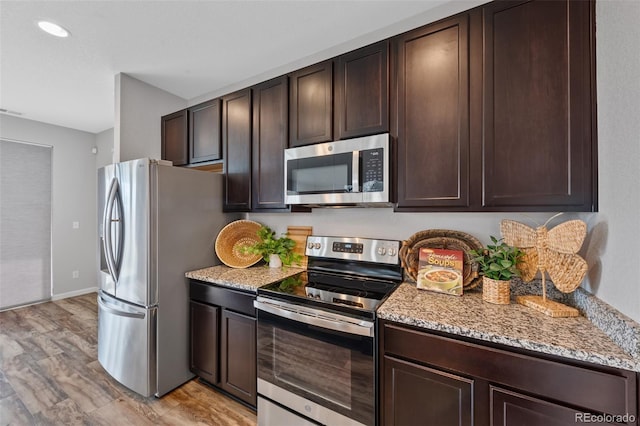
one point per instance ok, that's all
(25, 223)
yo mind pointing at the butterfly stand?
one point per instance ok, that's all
(549, 251)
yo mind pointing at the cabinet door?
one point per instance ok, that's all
(236, 137)
(539, 106)
(175, 146)
(433, 116)
(511, 408)
(414, 394)
(238, 352)
(204, 132)
(204, 341)
(270, 138)
(362, 92)
(311, 101)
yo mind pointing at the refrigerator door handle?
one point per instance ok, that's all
(104, 305)
(107, 221)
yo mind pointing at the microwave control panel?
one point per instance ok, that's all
(372, 170)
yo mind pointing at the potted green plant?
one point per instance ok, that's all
(276, 251)
(498, 265)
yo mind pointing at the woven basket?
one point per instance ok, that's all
(234, 236)
(496, 291)
(442, 239)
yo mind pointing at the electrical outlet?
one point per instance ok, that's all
(75, 274)
(76, 225)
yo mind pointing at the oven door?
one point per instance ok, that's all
(321, 371)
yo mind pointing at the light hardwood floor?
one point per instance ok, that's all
(50, 375)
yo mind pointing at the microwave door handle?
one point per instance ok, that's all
(355, 171)
(106, 226)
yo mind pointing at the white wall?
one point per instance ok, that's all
(74, 200)
(104, 144)
(615, 277)
(139, 107)
(612, 247)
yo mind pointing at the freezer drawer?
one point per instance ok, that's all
(127, 343)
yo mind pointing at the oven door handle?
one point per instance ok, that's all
(318, 319)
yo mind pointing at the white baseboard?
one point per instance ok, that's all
(54, 297)
(74, 293)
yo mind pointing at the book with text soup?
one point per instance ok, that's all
(440, 270)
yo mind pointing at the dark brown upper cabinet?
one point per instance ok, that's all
(236, 139)
(362, 91)
(204, 132)
(432, 72)
(270, 138)
(539, 136)
(175, 142)
(311, 105)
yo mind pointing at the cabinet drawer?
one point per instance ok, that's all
(600, 389)
(212, 294)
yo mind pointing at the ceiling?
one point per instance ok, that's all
(188, 48)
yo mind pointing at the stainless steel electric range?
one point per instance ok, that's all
(316, 334)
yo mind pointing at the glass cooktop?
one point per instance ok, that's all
(333, 292)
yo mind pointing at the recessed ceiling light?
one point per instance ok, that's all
(53, 29)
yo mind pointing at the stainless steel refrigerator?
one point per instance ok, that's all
(155, 223)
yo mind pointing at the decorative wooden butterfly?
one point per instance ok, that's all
(552, 251)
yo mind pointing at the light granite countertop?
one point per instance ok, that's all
(600, 335)
(511, 325)
(248, 279)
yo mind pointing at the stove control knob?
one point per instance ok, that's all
(310, 246)
(316, 245)
(382, 251)
(392, 251)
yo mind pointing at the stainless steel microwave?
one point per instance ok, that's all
(341, 173)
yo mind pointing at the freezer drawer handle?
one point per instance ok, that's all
(118, 312)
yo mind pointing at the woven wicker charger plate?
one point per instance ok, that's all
(232, 237)
(442, 239)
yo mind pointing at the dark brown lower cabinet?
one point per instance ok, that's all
(511, 408)
(436, 379)
(223, 339)
(417, 392)
(204, 341)
(238, 351)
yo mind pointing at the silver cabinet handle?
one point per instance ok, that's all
(318, 319)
